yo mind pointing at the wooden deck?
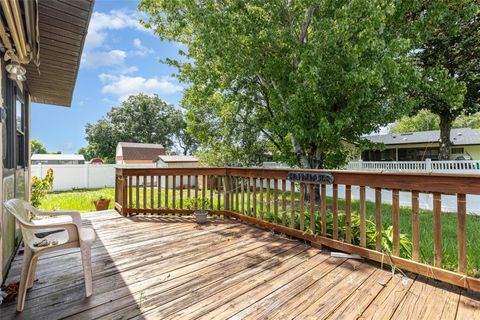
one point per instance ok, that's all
(172, 268)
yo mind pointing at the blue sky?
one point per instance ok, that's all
(120, 58)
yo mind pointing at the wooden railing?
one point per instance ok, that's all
(266, 198)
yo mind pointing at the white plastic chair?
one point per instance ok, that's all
(67, 235)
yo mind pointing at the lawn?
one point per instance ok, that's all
(82, 200)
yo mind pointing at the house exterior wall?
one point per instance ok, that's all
(14, 160)
(468, 150)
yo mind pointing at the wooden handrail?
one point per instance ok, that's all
(259, 196)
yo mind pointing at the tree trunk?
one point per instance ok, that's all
(445, 143)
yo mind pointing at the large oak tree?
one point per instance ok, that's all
(304, 78)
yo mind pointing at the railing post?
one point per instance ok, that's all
(124, 195)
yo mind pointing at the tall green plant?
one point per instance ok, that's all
(40, 187)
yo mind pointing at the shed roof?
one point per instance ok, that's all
(38, 156)
(141, 151)
(462, 136)
(171, 159)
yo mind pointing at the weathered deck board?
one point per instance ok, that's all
(170, 267)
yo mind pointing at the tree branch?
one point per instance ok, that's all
(306, 23)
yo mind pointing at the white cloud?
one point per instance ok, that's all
(123, 86)
(95, 54)
(141, 49)
(95, 59)
(113, 20)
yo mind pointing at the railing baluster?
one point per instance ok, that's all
(311, 192)
(174, 191)
(255, 197)
(236, 194)
(152, 189)
(137, 192)
(335, 211)
(363, 221)
(210, 186)
(396, 217)
(144, 181)
(292, 204)
(242, 186)
(261, 198)
(275, 201)
(323, 208)
(189, 186)
(248, 197)
(204, 190)
(268, 198)
(462, 232)
(130, 197)
(181, 192)
(415, 227)
(378, 219)
(284, 202)
(219, 188)
(166, 193)
(437, 229)
(159, 190)
(196, 192)
(302, 206)
(348, 213)
(231, 193)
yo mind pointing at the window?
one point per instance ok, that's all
(458, 151)
(21, 141)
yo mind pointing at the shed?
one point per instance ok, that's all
(138, 153)
(177, 161)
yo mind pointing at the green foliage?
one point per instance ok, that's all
(140, 118)
(294, 79)
(371, 233)
(87, 152)
(193, 203)
(37, 147)
(40, 187)
(449, 60)
(425, 120)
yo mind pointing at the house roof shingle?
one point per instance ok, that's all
(141, 151)
(459, 137)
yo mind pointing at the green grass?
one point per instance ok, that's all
(82, 200)
(79, 199)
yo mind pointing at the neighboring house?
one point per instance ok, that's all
(30, 74)
(138, 153)
(418, 146)
(177, 161)
(57, 159)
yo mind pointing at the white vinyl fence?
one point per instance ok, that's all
(80, 176)
(452, 166)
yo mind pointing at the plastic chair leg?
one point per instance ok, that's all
(87, 269)
(26, 267)
(33, 269)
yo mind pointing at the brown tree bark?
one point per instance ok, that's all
(445, 142)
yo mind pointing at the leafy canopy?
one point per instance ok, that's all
(140, 118)
(425, 120)
(301, 80)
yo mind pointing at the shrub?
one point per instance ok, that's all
(40, 187)
(197, 203)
